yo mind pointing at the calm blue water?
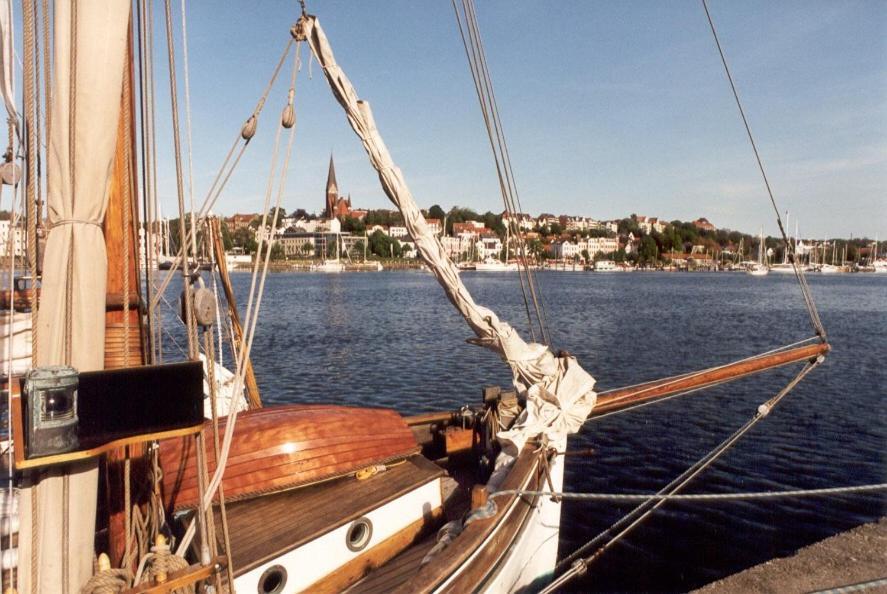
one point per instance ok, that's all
(392, 339)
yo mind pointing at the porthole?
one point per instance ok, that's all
(359, 534)
(273, 580)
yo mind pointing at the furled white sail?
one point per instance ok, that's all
(7, 55)
(559, 392)
(16, 341)
(71, 321)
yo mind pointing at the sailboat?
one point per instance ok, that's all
(273, 498)
(760, 267)
(334, 265)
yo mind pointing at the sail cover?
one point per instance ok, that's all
(7, 54)
(559, 393)
(71, 322)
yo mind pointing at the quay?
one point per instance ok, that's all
(856, 558)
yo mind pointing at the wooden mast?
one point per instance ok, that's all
(124, 195)
(252, 388)
(124, 325)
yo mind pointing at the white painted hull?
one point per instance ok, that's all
(322, 556)
(533, 555)
(761, 271)
(329, 267)
(498, 267)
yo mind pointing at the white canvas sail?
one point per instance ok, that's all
(71, 323)
(559, 393)
(7, 59)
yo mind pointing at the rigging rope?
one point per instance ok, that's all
(802, 281)
(223, 175)
(180, 191)
(628, 522)
(32, 149)
(698, 496)
(253, 304)
(187, 80)
(483, 85)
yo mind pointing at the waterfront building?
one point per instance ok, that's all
(294, 243)
(435, 226)
(397, 231)
(601, 245)
(489, 245)
(564, 250)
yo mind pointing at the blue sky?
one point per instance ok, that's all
(609, 107)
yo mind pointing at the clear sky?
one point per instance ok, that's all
(610, 108)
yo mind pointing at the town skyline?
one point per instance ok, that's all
(644, 122)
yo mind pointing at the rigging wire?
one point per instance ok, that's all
(263, 257)
(180, 190)
(610, 536)
(694, 497)
(607, 538)
(802, 281)
(483, 85)
(225, 171)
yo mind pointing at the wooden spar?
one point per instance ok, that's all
(249, 379)
(121, 189)
(620, 398)
(120, 319)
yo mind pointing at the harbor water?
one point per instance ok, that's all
(392, 339)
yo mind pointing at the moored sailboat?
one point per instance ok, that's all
(359, 497)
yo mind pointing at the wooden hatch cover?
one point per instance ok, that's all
(282, 447)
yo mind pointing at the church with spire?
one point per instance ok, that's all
(336, 205)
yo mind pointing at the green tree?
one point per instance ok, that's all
(648, 252)
(383, 245)
(436, 212)
(308, 249)
(281, 213)
(353, 225)
(227, 240)
(277, 251)
(245, 238)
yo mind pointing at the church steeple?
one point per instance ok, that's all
(332, 190)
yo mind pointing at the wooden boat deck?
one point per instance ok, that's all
(397, 571)
(265, 527)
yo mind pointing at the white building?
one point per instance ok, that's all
(397, 231)
(489, 246)
(601, 245)
(20, 241)
(565, 250)
(650, 224)
(524, 221)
